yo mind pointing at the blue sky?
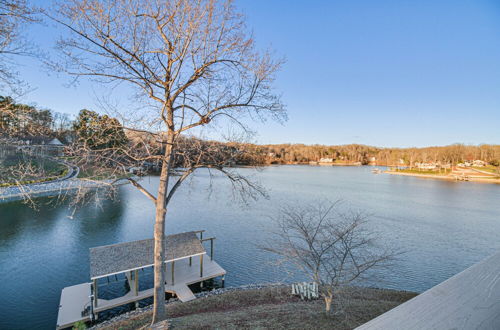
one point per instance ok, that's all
(385, 73)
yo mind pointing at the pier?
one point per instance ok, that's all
(186, 263)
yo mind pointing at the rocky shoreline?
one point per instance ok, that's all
(53, 188)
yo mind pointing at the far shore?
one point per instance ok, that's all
(446, 177)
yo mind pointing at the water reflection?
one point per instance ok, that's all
(443, 226)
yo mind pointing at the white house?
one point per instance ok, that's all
(426, 166)
(478, 163)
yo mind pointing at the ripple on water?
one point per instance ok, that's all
(443, 227)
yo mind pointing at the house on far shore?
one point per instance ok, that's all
(325, 161)
(478, 163)
(426, 166)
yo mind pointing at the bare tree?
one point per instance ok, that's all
(333, 249)
(191, 62)
(14, 14)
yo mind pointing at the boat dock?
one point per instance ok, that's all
(186, 263)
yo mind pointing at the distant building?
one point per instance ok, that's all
(478, 163)
(42, 141)
(326, 160)
(426, 166)
(55, 142)
(41, 145)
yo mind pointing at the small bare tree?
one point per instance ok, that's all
(191, 62)
(333, 249)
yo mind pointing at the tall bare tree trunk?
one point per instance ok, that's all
(159, 313)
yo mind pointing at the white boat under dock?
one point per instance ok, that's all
(186, 263)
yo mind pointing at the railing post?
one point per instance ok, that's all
(212, 249)
(190, 261)
(201, 265)
(166, 282)
(173, 264)
(92, 316)
(136, 282)
(95, 293)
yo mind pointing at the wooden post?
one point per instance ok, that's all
(136, 282)
(201, 265)
(201, 235)
(223, 278)
(92, 316)
(173, 264)
(190, 261)
(136, 285)
(212, 249)
(165, 273)
(95, 293)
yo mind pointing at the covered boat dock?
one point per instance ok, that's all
(186, 263)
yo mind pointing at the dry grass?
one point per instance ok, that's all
(273, 308)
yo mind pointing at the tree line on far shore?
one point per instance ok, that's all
(95, 131)
(357, 153)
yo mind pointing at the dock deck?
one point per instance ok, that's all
(74, 300)
(184, 275)
(186, 263)
(468, 300)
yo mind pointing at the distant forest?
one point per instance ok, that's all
(354, 153)
(20, 121)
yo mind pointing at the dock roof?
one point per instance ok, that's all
(119, 258)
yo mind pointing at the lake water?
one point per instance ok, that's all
(444, 227)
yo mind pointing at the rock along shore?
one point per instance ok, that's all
(48, 189)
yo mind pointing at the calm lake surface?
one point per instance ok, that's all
(444, 227)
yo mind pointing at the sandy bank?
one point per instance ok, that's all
(446, 177)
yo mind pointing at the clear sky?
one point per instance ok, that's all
(386, 73)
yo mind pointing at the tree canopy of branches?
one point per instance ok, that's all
(192, 63)
(333, 249)
(94, 131)
(13, 15)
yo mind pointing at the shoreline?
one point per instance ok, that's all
(255, 298)
(50, 189)
(445, 177)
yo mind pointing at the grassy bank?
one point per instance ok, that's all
(489, 168)
(19, 168)
(426, 172)
(272, 308)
